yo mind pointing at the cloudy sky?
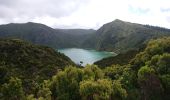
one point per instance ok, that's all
(85, 13)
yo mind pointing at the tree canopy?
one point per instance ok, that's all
(145, 77)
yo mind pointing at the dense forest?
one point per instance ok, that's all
(146, 76)
(30, 63)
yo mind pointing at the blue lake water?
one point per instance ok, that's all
(84, 55)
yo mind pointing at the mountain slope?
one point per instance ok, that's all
(120, 36)
(117, 36)
(33, 32)
(44, 35)
(31, 63)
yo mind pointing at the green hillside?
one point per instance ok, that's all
(32, 72)
(120, 36)
(44, 35)
(145, 77)
(31, 63)
(33, 32)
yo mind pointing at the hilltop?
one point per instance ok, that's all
(120, 36)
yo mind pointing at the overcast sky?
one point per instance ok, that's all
(85, 13)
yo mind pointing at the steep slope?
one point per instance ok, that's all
(31, 63)
(120, 36)
(44, 35)
(33, 32)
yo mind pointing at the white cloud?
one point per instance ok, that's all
(86, 13)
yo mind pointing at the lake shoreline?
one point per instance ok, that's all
(87, 56)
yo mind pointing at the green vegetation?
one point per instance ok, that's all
(30, 63)
(121, 59)
(155, 59)
(12, 90)
(117, 36)
(120, 36)
(44, 35)
(145, 77)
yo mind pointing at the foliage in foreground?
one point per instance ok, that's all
(146, 77)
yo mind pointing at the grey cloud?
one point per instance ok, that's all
(8, 2)
(10, 9)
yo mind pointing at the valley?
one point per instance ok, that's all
(122, 61)
(84, 49)
(117, 36)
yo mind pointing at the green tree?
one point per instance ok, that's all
(129, 82)
(114, 71)
(44, 91)
(119, 92)
(166, 84)
(92, 72)
(150, 84)
(65, 85)
(163, 64)
(30, 97)
(12, 90)
(96, 90)
(154, 47)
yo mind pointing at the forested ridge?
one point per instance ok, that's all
(120, 36)
(44, 35)
(116, 36)
(145, 77)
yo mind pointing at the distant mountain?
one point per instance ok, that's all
(117, 36)
(44, 35)
(77, 31)
(34, 32)
(76, 37)
(120, 36)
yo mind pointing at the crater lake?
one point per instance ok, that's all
(85, 56)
